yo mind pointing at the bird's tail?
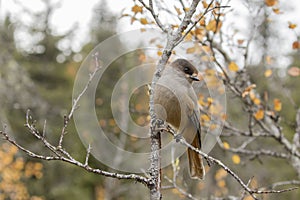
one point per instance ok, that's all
(197, 170)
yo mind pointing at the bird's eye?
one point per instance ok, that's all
(186, 69)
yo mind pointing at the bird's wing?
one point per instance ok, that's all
(195, 120)
(193, 116)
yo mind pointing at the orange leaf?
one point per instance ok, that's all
(236, 159)
(137, 9)
(268, 73)
(277, 104)
(259, 114)
(178, 10)
(276, 10)
(294, 71)
(220, 174)
(270, 2)
(202, 21)
(296, 45)
(204, 4)
(233, 67)
(256, 101)
(292, 26)
(186, 9)
(214, 26)
(240, 41)
(221, 183)
(143, 21)
(159, 53)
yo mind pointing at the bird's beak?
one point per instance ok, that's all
(194, 77)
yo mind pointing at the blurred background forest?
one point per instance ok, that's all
(37, 70)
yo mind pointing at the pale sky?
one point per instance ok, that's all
(80, 11)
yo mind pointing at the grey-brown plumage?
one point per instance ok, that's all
(176, 102)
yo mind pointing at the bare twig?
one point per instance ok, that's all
(88, 152)
(252, 192)
(283, 183)
(76, 100)
(85, 166)
(154, 15)
(183, 192)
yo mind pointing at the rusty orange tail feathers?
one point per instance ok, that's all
(196, 166)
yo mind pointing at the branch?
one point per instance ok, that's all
(256, 153)
(75, 102)
(63, 155)
(154, 15)
(71, 160)
(252, 192)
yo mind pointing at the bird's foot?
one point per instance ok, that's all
(178, 137)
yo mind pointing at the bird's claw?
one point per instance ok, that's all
(177, 137)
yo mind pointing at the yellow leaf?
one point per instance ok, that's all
(270, 2)
(259, 114)
(233, 67)
(269, 60)
(186, 9)
(205, 118)
(200, 33)
(190, 50)
(252, 95)
(277, 104)
(206, 48)
(249, 197)
(188, 37)
(132, 20)
(210, 72)
(204, 4)
(213, 127)
(159, 53)
(248, 90)
(221, 183)
(178, 10)
(210, 101)
(226, 145)
(220, 174)
(236, 159)
(268, 73)
(174, 26)
(137, 9)
(292, 26)
(256, 101)
(143, 21)
(214, 26)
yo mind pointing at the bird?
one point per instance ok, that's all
(175, 102)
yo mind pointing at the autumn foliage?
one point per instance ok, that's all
(13, 171)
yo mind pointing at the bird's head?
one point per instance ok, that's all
(186, 69)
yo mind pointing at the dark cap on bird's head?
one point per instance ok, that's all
(190, 71)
